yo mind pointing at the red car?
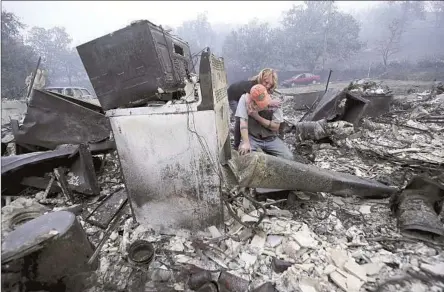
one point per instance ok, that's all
(304, 78)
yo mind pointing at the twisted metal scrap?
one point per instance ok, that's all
(235, 193)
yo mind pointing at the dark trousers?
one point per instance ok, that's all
(237, 133)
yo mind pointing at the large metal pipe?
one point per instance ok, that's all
(259, 170)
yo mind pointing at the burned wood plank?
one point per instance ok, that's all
(117, 220)
(63, 183)
(51, 182)
(105, 212)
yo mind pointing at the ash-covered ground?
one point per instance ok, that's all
(311, 241)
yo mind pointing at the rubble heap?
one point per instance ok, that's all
(300, 242)
(368, 87)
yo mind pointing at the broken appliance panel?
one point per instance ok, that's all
(139, 63)
(171, 155)
(213, 86)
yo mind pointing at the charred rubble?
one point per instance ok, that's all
(82, 210)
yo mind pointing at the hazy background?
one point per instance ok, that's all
(377, 39)
(87, 20)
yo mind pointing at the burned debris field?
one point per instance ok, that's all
(129, 178)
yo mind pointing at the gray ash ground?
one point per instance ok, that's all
(333, 243)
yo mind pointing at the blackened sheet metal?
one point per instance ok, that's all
(51, 121)
(86, 104)
(127, 67)
(29, 169)
(354, 109)
(22, 148)
(102, 147)
(378, 105)
(338, 105)
(103, 215)
(15, 162)
(83, 167)
(418, 207)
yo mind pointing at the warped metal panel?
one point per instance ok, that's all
(51, 121)
(339, 105)
(11, 163)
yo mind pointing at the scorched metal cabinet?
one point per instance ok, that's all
(172, 174)
(128, 66)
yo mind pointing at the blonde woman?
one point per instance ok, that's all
(267, 77)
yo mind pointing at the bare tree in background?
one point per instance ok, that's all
(391, 45)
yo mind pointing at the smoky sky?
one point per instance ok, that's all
(87, 20)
